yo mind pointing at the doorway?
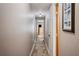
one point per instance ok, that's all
(40, 28)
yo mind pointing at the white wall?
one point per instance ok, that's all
(15, 36)
(54, 29)
(47, 27)
(69, 42)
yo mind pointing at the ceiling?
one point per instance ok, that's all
(39, 6)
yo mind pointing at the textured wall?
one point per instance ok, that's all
(69, 41)
(15, 36)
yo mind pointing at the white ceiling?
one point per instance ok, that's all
(39, 6)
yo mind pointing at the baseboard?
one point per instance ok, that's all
(32, 50)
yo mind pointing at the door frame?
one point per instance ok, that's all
(57, 30)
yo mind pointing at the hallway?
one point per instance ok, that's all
(39, 29)
(23, 26)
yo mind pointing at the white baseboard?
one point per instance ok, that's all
(32, 50)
